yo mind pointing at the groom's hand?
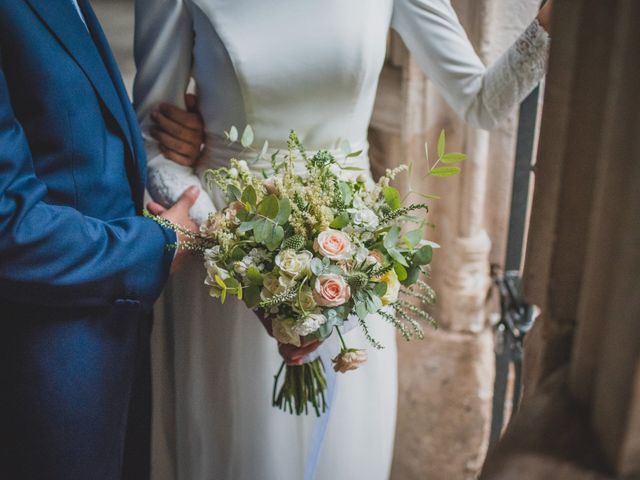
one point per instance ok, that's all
(180, 132)
(179, 215)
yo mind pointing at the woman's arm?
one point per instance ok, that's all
(163, 52)
(483, 96)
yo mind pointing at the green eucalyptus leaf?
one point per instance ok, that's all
(316, 266)
(392, 197)
(340, 221)
(352, 169)
(355, 154)
(275, 237)
(252, 296)
(233, 193)
(250, 196)
(243, 214)
(254, 275)
(261, 230)
(441, 144)
(412, 276)
(284, 211)
(397, 256)
(444, 171)
(380, 289)
(345, 192)
(233, 134)
(247, 226)
(401, 272)
(361, 310)
(413, 237)
(237, 253)
(423, 256)
(247, 137)
(391, 238)
(453, 157)
(265, 149)
(269, 206)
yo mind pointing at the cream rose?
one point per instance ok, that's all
(331, 290)
(333, 244)
(306, 303)
(283, 331)
(393, 287)
(293, 263)
(376, 257)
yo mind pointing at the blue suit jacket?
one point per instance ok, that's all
(78, 266)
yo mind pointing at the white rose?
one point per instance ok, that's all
(271, 282)
(283, 331)
(306, 302)
(309, 324)
(293, 263)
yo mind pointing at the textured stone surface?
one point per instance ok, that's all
(445, 406)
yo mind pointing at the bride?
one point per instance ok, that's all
(312, 66)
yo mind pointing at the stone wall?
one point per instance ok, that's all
(446, 382)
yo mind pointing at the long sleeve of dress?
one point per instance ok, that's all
(163, 52)
(482, 96)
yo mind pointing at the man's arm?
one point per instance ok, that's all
(54, 255)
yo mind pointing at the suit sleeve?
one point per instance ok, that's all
(55, 256)
(483, 96)
(163, 53)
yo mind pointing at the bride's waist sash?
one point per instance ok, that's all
(218, 151)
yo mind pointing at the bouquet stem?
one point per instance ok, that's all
(303, 386)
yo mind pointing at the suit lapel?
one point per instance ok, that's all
(63, 21)
(114, 72)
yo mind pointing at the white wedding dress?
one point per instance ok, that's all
(312, 66)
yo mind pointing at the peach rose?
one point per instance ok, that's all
(376, 256)
(349, 360)
(331, 290)
(333, 244)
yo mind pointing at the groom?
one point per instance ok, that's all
(79, 267)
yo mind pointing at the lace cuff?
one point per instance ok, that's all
(518, 71)
(168, 180)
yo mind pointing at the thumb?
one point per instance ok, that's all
(188, 197)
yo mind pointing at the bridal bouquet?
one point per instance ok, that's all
(310, 251)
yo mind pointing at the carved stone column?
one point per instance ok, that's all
(446, 382)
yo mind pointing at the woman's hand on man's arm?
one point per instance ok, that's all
(179, 132)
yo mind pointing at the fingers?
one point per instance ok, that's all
(295, 355)
(177, 157)
(177, 130)
(177, 144)
(155, 208)
(185, 118)
(187, 199)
